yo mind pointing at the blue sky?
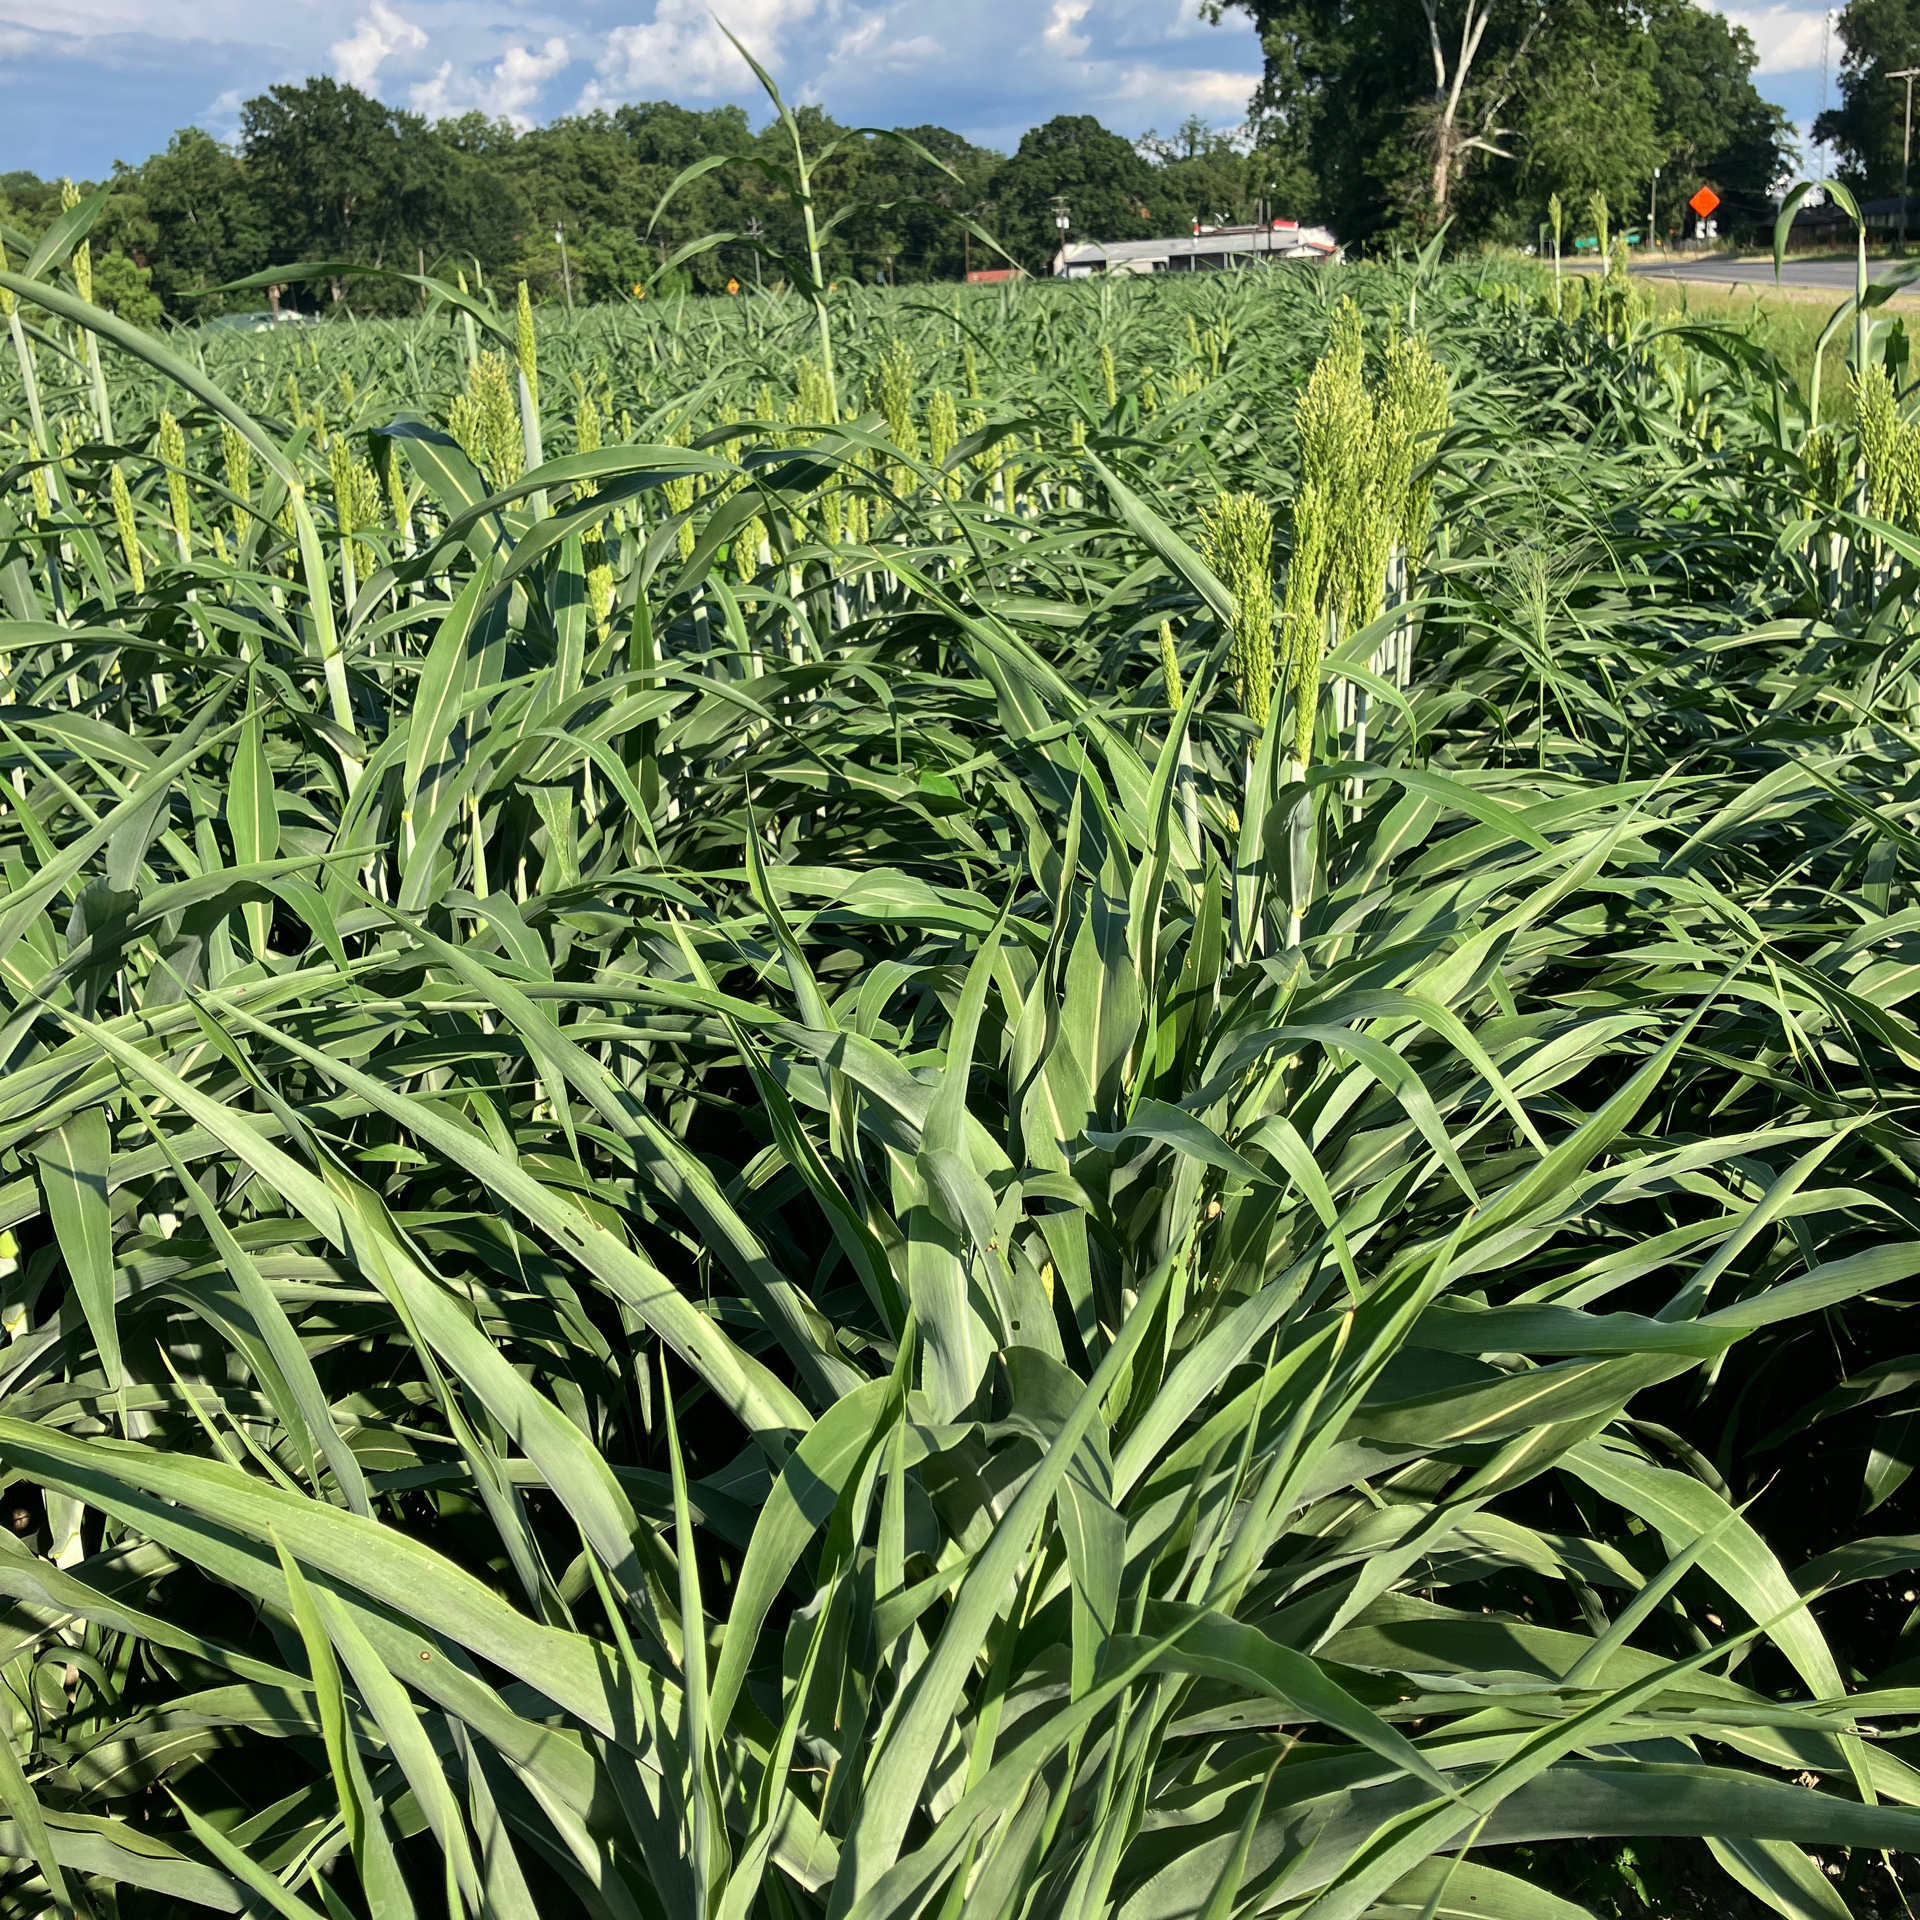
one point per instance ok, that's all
(87, 82)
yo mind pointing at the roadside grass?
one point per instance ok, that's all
(1785, 320)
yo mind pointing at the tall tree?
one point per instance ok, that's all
(1396, 104)
(1713, 128)
(907, 220)
(345, 177)
(1472, 84)
(1410, 112)
(1106, 184)
(199, 221)
(1868, 127)
(1203, 175)
(1589, 123)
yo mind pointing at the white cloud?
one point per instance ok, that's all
(1788, 38)
(1063, 22)
(507, 93)
(901, 56)
(682, 49)
(987, 68)
(1197, 89)
(859, 38)
(377, 36)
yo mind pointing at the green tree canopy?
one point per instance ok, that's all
(194, 218)
(342, 176)
(1511, 101)
(1107, 184)
(1868, 127)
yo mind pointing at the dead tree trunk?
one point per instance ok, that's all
(1456, 130)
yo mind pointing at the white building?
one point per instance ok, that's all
(1205, 250)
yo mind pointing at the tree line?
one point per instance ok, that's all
(322, 172)
(1396, 116)
(1384, 118)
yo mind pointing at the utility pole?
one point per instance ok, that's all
(566, 272)
(1908, 74)
(1062, 220)
(755, 231)
(1653, 211)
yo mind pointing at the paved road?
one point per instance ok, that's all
(1827, 275)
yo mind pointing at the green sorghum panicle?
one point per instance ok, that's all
(943, 426)
(1418, 392)
(1876, 412)
(6, 299)
(237, 458)
(746, 550)
(356, 501)
(1239, 543)
(82, 261)
(1333, 521)
(593, 543)
(1825, 468)
(815, 396)
(1333, 419)
(1599, 213)
(1620, 297)
(1108, 377)
(1303, 611)
(976, 422)
(345, 500)
(524, 351)
(1889, 450)
(485, 420)
(893, 389)
(173, 456)
(587, 429)
(1170, 666)
(129, 533)
(678, 493)
(1371, 513)
(593, 554)
(393, 477)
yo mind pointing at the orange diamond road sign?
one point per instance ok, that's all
(1704, 202)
